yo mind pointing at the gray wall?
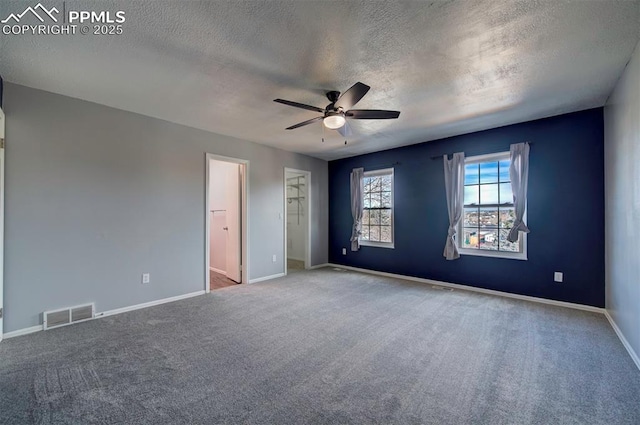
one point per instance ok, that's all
(622, 209)
(95, 196)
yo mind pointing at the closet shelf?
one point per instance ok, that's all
(295, 186)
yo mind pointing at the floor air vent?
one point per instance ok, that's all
(67, 316)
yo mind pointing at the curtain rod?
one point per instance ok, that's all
(384, 165)
(440, 157)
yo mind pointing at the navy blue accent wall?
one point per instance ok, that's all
(565, 211)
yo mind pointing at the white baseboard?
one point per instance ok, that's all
(38, 328)
(20, 332)
(148, 304)
(262, 279)
(624, 341)
(474, 289)
(213, 269)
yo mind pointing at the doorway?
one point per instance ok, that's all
(297, 211)
(226, 224)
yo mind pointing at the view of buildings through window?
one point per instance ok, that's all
(488, 206)
(377, 201)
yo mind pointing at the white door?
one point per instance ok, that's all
(234, 225)
(1, 221)
(218, 238)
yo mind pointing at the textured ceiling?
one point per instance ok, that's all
(450, 67)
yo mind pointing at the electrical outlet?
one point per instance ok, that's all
(146, 278)
(344, 251)
(273, 258)
(558, 276)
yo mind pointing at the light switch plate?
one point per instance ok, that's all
(146, 278)
(558, 276)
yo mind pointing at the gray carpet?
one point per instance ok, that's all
(325, 347)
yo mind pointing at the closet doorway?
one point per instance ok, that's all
(226, 222)
(297, 230)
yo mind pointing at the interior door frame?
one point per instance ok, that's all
(2, 164)
(244, 215)
(307, 206)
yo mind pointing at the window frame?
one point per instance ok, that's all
(522, 255)
(374, 173)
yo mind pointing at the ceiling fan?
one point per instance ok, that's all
(335, 115)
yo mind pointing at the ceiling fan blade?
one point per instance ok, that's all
(352, 96)
(372, 114)
(299, 105)
(345, 130)
(300, 124)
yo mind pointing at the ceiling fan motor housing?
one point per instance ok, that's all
(333, 96)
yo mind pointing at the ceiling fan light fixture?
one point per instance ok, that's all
(334, 121)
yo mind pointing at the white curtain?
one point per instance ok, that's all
(519, 174)
(454, 185)
(357, 188)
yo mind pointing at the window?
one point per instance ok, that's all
(377, 208)
(489, 213)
